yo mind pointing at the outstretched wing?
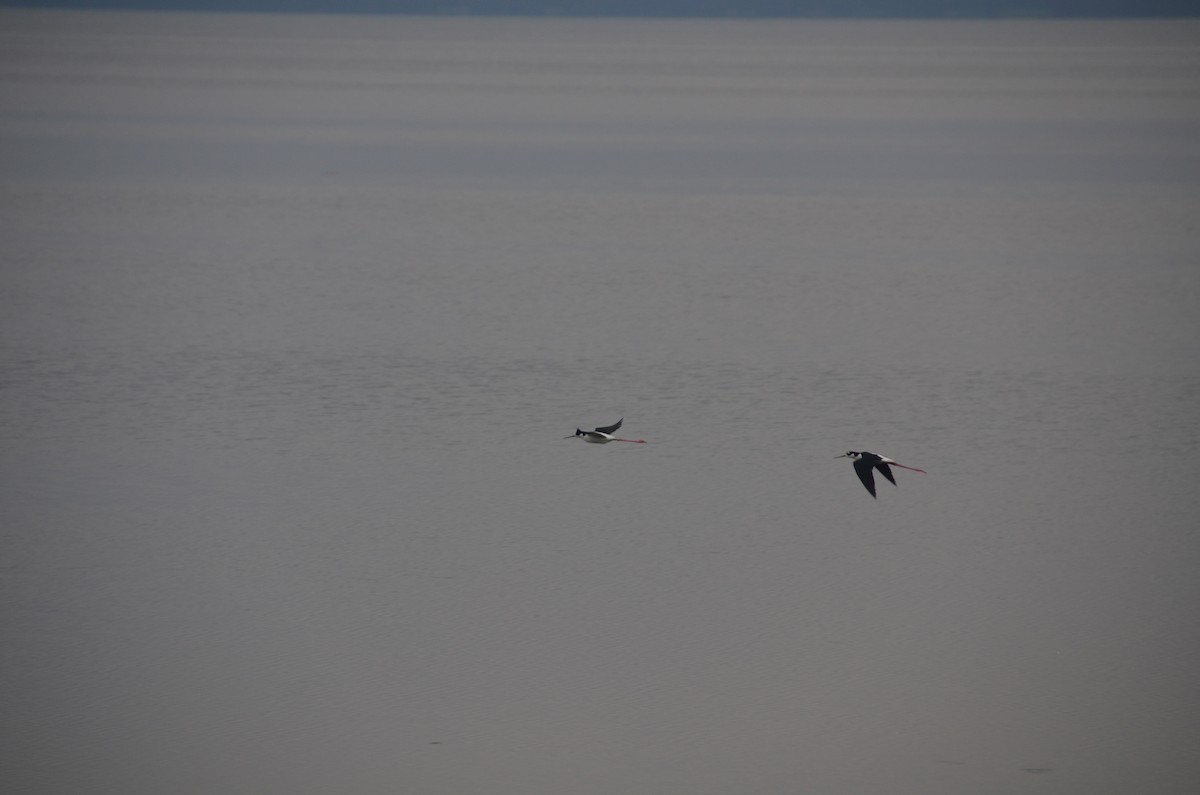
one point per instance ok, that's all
(863, 470)
(611, 428)
(887, 472)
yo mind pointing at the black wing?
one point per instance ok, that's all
(887, 471)
(611, 428)
(864, 474)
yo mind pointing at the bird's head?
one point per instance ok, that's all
(851, 455)
(575, 435)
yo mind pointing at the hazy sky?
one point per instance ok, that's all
(716, 8)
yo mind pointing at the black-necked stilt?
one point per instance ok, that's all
(603, 435)
(864, 462)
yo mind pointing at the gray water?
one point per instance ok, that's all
(296, 310)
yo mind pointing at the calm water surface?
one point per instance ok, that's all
(295, 311)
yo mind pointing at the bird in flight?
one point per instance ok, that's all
(603, 435)
(864, 462)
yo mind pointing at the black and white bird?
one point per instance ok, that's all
(864, 462)
(603, 435)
